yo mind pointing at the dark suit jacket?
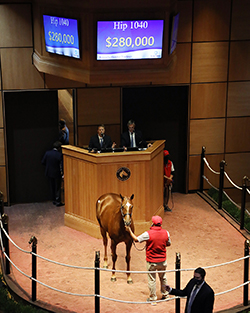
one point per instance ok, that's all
(204, 300)
(64, 136)
(125, 139)
(95, 144)
(53, 163)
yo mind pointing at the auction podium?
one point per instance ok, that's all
(87, 176)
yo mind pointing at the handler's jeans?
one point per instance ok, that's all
(161, 266)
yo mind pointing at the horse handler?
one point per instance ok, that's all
(157, 239)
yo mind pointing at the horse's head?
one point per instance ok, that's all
(126, 209)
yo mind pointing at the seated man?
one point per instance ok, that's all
(133, 137)
(100, 140)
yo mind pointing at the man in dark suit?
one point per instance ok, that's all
(200, 296)
(132, 137)
(100, 140)
(63, 132)
(54, 171)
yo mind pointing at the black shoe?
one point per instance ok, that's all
(167, 209)
(54, 202)
(60, 204)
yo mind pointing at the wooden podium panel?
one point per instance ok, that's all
(87, 176)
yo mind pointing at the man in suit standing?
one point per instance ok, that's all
(63, 132)
(200, 296)
(100, 140)
(133, 137)
(54, 171)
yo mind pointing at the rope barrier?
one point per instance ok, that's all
(229, 179)
(225, 173)
(231, 200)
(110, 270)
(205, 160)
(122, 271)
(210, 183)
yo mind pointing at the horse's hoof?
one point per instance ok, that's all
(130, 281)
(105, 266)
(113, 279)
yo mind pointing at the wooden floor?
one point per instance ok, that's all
(198, 232)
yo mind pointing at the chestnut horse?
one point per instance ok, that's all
(113, 212)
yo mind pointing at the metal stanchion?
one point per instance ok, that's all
(246, 273)
(177, 280)
(33, 240)
(202, 168)
(97, 282)
(243, 202)
(5, 220)
(222, 169)
(1, 203)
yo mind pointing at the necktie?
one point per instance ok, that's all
(131, 141)
(191, 299)
(101, 142)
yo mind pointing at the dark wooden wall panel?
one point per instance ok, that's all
(237, 134)
(238, 99)
(210, 61)
(18, 71)
(16, 19)
(185, 21)
(208, 100)
(241, 20)
(179, 72)
(239, 67)
(208, 133)
(211, 20)
(57, 82)
(98, 106)
(238, 166)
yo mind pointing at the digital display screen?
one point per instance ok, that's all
(61, 36)
(129, 40)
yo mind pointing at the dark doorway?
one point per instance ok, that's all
(161, 113)
(31, 129)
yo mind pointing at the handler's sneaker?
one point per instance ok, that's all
(153, 302)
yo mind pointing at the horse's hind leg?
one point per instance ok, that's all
(128, 257)
(105, 243)
(114, 258)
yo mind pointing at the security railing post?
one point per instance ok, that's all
(222, 169)
(1, 203)
(1, 213)
(5, 220)
(97, 282)
(243, 202)
(177, 280)
(33, 240)
(246, 273)
(202, 168)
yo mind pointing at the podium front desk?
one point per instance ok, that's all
(87, 176)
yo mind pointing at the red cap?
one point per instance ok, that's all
(166, 152)
(156, 220)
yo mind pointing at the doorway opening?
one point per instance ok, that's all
(161, 113)
(31, 129)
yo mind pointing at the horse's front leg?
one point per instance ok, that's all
(128, 257)
(114, 258)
